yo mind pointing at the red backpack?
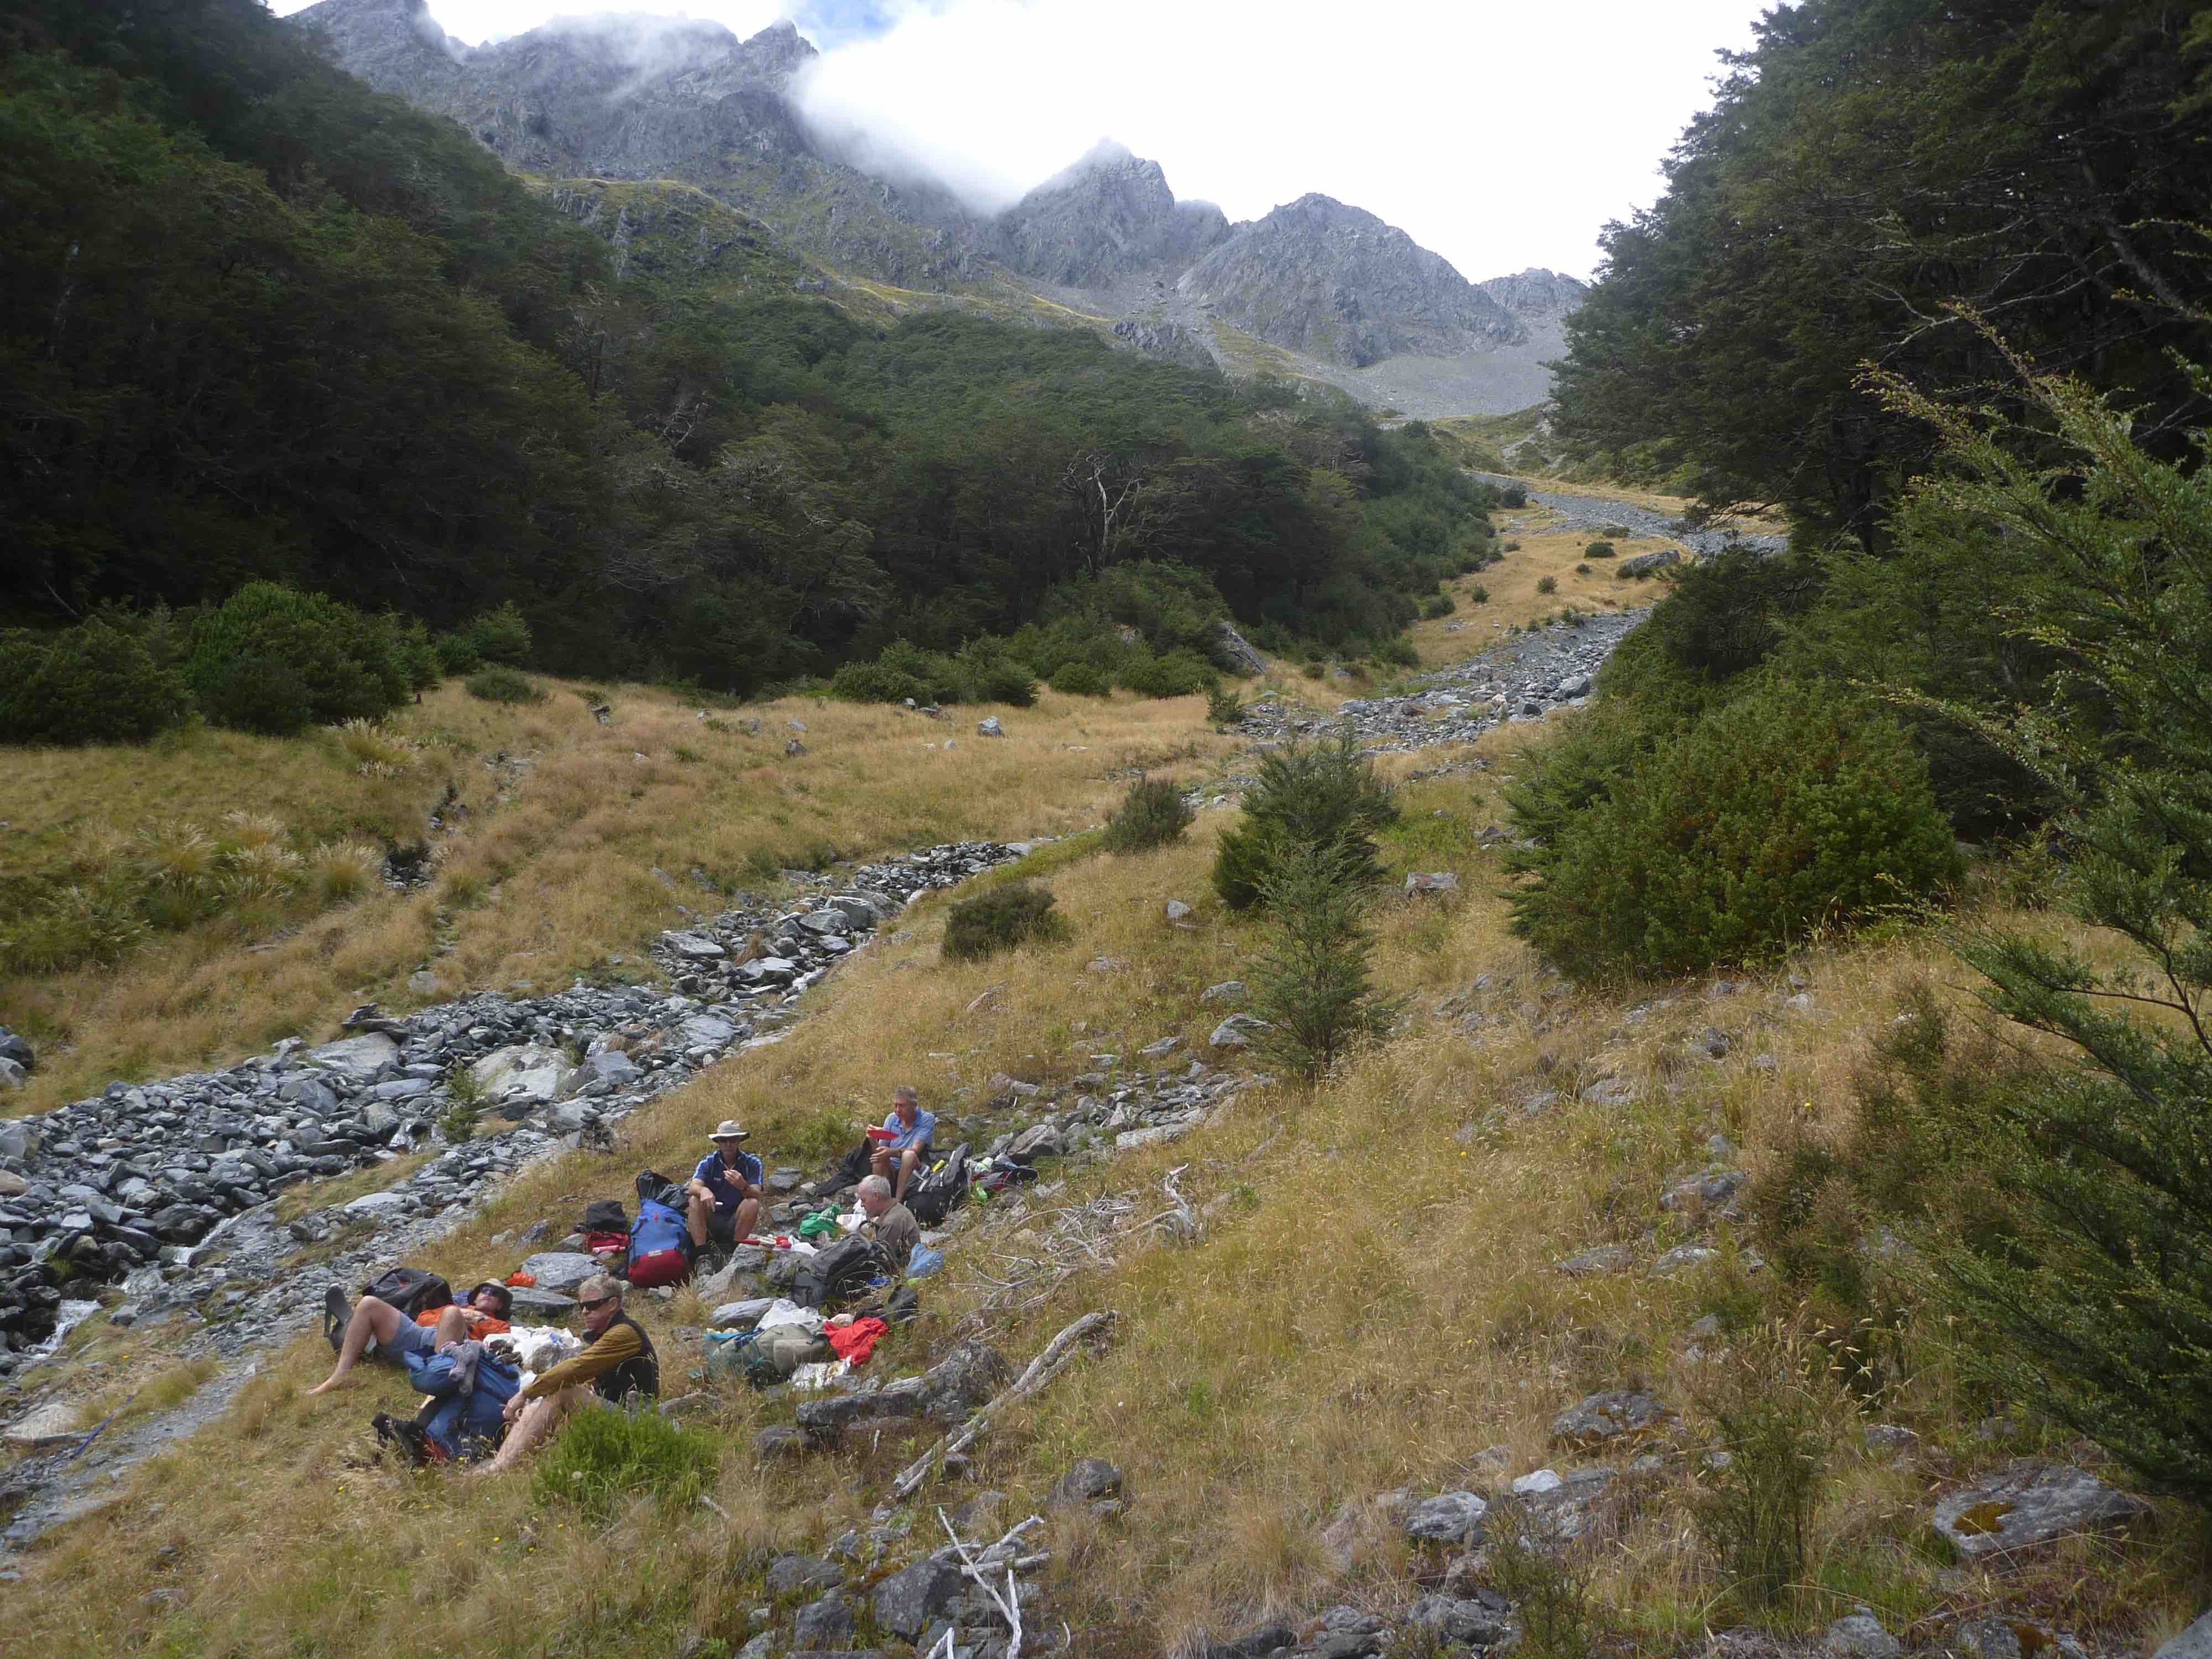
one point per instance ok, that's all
(659, 1246)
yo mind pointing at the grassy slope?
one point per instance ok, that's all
(1372, 1304)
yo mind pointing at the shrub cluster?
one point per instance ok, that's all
(496, 636)
(268, 659)
(981, 671)
(1153, 814)
(1790, 809)
(999, 920)
(1598, 551)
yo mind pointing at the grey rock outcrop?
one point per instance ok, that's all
(1109, 215)
(1336, 282)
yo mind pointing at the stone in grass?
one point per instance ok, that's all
(2028, 1504)
(561, 1271)
(1254, 1644)
(1605, 1259)
(1236, 1032)
(2195, 1642)
(1860, 1636)
(1451, 1517)
(826, 1623)
(908, 1601)
(789, 1574)
(1087, 1480)
(1618, 1415)
(1230, 990)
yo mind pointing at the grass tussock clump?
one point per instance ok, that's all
(1152, 814)
(604, 1459)
(1016, 914)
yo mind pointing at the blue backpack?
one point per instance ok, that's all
(659, 1245)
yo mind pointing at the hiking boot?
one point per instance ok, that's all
(390, 1434)
(337, 1313)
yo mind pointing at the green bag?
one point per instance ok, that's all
(820, 1222)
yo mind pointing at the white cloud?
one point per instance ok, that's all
(1501, 135)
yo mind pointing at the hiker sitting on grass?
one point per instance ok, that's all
(902, 1144)
(890, 1222)
(619, 1363)
(484, 1314)
(724, 1190)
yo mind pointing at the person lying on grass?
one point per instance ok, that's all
(619, 1363)
(483, 1313)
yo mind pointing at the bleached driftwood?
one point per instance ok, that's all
(1047, 1365)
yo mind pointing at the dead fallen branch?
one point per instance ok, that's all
(1041, 1369)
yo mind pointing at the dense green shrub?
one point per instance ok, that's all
(94, 683)
(1000, 919)
(1002, 679)
(504, 686)
(1547, 584)
(1326, 797)
(872, 681)
(1080, 679)
(1598, 551)
(1178, 674)
(1223, 707)
(1790, 809)
(1513, 495)
(1153, 814)
(1311, 987)
(604, 1460)
(501, 636)
(1438, 606)
(1479, 594)
(271, 659)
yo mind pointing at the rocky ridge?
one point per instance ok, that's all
(635, 99)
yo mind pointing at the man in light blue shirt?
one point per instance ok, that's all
(907, 1149)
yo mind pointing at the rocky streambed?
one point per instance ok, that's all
(171, 1189)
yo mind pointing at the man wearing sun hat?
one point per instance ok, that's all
(724, 1190)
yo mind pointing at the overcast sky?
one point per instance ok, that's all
(1500, 133)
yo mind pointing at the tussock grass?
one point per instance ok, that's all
(576, 842)
(1372, 1305)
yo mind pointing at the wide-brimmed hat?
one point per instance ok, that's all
(730, 1130)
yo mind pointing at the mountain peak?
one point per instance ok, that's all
(1110, 214)
(1536, 292)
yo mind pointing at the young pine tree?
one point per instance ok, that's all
(2102, 1306)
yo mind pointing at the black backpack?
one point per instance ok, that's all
(935, 1192)
(605, 1215)
(839, 1272)
(410, 1290)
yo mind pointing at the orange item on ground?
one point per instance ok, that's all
(483, 1327)
(522, 1278)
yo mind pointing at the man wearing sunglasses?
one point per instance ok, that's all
(619, 1363)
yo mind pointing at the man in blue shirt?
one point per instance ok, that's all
(724, 1190)
(905, 1146)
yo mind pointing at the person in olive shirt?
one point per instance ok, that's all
(890, 1222)
(619, 1363)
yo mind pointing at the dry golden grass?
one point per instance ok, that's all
(576, 842)
(1372, 1305)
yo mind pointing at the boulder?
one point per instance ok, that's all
(1643, 564)
(523, 1072)
(561, 1271)
(610, 1067)
(1254, 1644)
(361, 1057)
(13, 1047)
(826, 1624)
(1433, 881)
(1605, 1259)
(1475, 1621)
(1087, 1480)
(2195, 1642)
(12, 1074)
(907, 1602)
(989, 727)
(1616, 1415)
(1236, 1032)
(1451, 1517)
(2029, 1504)
(51, 1425)
(536, 1305)
(1230, 990)
(694, 947)
(1860, 1636)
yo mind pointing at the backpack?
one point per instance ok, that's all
(659, 1245)
(858, 1165)
(839, 1271)
(605, 1215)
(934, 1193)
(410, 1290)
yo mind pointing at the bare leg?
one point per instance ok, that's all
(450, 1328)
(697, 1213)
(879, 1163)
(371, 1318)
(910, 1160)
(537, 1421)
(748, 1218)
